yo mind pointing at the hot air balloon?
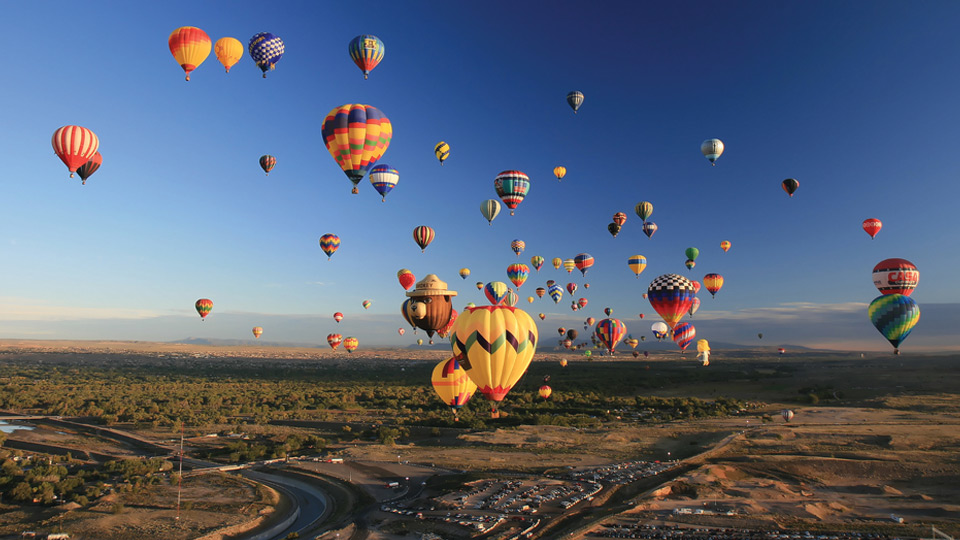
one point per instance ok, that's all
(366, 51)
(430, 304)
(495, 345)
(517, 246)
(464, 272)
(760, 336)
(671, 296)
(692, 253)
(366, 304)
(588, 353)
(575, 100)
(641, 315)
(557, 262)
(537, 262)
(590, 321)
(75, 146)
(683, 334)
(512, 187)
(545, 391)
(334, 340)
(896, 276)
(406, 278)
(631, 342)
(696, 286)
(267, 163)
(452, 384)
(660, 330)
(790, 185)
(479, 285)
(550, 283)
(404, 311)
(517, 273)
(620, 218)
(356, 136)
(608, 311)
(582, 303)
(583, 262)
(781, 350)
(338, 316)
(530, 299)
(490, 208)
(555, 292)
(610, 332)
(257, 332)
(563, 362)
(689, 263)
(350, 344)
(419, 341)
(543, 316)
(694, 306)
(229, 51)
(540, 292)
(725, 245)
(204, 307)
(496, 292)
(649, 228)
(189, 46)
(586, 285)
(894, 315)
(711, 149)
(384, 178)
(637, 264)
(266, 50)
(613, 229)
(401, 331)
(644, 210)
(560, 172)
(442, 151)
(574, 306)
(787, 415)
(423, 235)
(329, 243)
(571, 288)
(713, 282)
(569, 265)
(872, 226)
(511, 298)
(84, 171)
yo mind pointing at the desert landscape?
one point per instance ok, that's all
(623, 443)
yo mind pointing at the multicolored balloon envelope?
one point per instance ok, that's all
(496, 292)
(266, 50)
(560, 172)
(366, 51)
(556, 293)
(257, 332)
(610, 332)
(545, 391)
(452, 384)
(356, 136)
(267, 163)
(649, 228)
(518, 273)
(713, 283)
(75, 146)
(518, 246)
(670, 295)
(711, 149)
(495, 345)
(790, 185)
(406, 278)
(660, 330)
(575, 100)
(637, 264)
(189, 46)
(334, 340)
(512, 187)
(329, 243)
(204, 307)
(423, 235)
(894, 315)
(896, 276)
(84, 171)
(683, 334)
(787, 415)
(583, 262)
(537, 262)
(350, 344)
(384, 178)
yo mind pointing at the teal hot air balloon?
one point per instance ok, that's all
(490, 208)
(894, 315)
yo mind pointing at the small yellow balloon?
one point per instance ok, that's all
(229, 51)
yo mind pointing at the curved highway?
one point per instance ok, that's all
(307, 501)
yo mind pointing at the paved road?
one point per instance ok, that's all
(310, 502)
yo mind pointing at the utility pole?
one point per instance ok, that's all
(180, 475)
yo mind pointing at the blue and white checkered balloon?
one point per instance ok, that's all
(266, 50)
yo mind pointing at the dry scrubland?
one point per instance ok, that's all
(871, 437)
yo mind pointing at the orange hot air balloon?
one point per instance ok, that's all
(75, 146)
(229, 51)
(725, 245)
(257, 332)
(545, 391)
(189, 46)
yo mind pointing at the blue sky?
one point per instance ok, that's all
(856, 100)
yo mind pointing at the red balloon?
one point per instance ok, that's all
(406, 278)
(872, 226)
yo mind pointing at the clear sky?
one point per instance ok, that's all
(856, 100)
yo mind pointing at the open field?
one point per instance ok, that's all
(871, 437)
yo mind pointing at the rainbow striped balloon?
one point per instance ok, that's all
(518, 273)
(894, 315)
(366, 51)
(512, 187)
(329, 243)
(610, 332)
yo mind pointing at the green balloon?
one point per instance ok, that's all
(692, 253)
